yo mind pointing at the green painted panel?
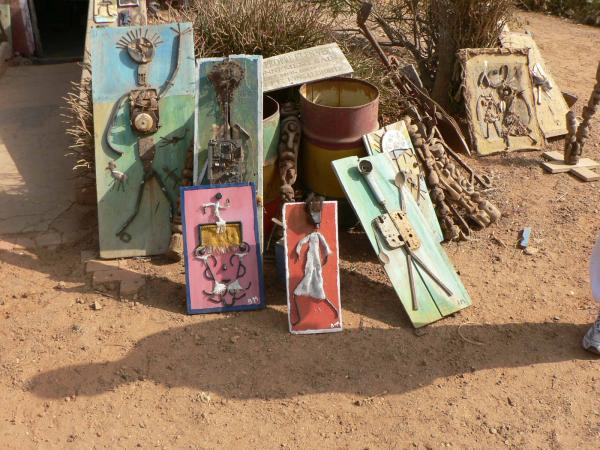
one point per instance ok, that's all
(408, 161)
(246, 111)
(433, 301)
(151, 229)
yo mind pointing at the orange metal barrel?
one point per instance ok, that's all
(335, 115)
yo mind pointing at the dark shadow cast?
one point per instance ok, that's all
(515, 159)
(250, 355)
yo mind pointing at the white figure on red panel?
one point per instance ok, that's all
(311, 284)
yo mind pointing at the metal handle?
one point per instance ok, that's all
(367, 171)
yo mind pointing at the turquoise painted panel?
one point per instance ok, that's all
(246, 111)
(119, 71)
(114, 76)
(433, 301)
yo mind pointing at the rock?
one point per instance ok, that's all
(96, 306)
(420, 331)
(493, 431)
(205, 397)
(530, 251)
(60, 286)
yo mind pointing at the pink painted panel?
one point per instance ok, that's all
(233, 274)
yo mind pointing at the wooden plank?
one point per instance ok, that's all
(306, 314)
(433, 302)
(239, 210)
(556, 166)
(551, 107)
(304, 66)
(114, 76)
(585, 174)
(407, 161)
(246, 111)
(554, 155)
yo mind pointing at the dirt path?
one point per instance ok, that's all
(506, 373)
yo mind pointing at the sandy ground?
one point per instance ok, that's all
(506, 373)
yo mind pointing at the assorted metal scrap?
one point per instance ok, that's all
(455, 188)
(381, 192)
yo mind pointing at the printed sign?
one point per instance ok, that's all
(304, 66)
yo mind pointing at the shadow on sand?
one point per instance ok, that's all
(251, 355)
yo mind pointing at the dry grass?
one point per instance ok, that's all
(79, 120)
(433, 30)
(259, 27)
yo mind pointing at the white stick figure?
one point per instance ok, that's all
(217, 207)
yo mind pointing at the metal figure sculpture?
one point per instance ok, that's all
(226, 291)
(503, 105)
(119, 178)
(216, 205)
(226, 148)
(578, 133)
(144, 113)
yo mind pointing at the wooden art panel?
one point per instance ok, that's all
(221, 248)
(499, 103)
(312, 270)
(120, 169)
(401, 153)
(550, 105)
(433, 301)
(105, 11)
(246, 111)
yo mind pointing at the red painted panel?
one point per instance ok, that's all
(308, 314)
